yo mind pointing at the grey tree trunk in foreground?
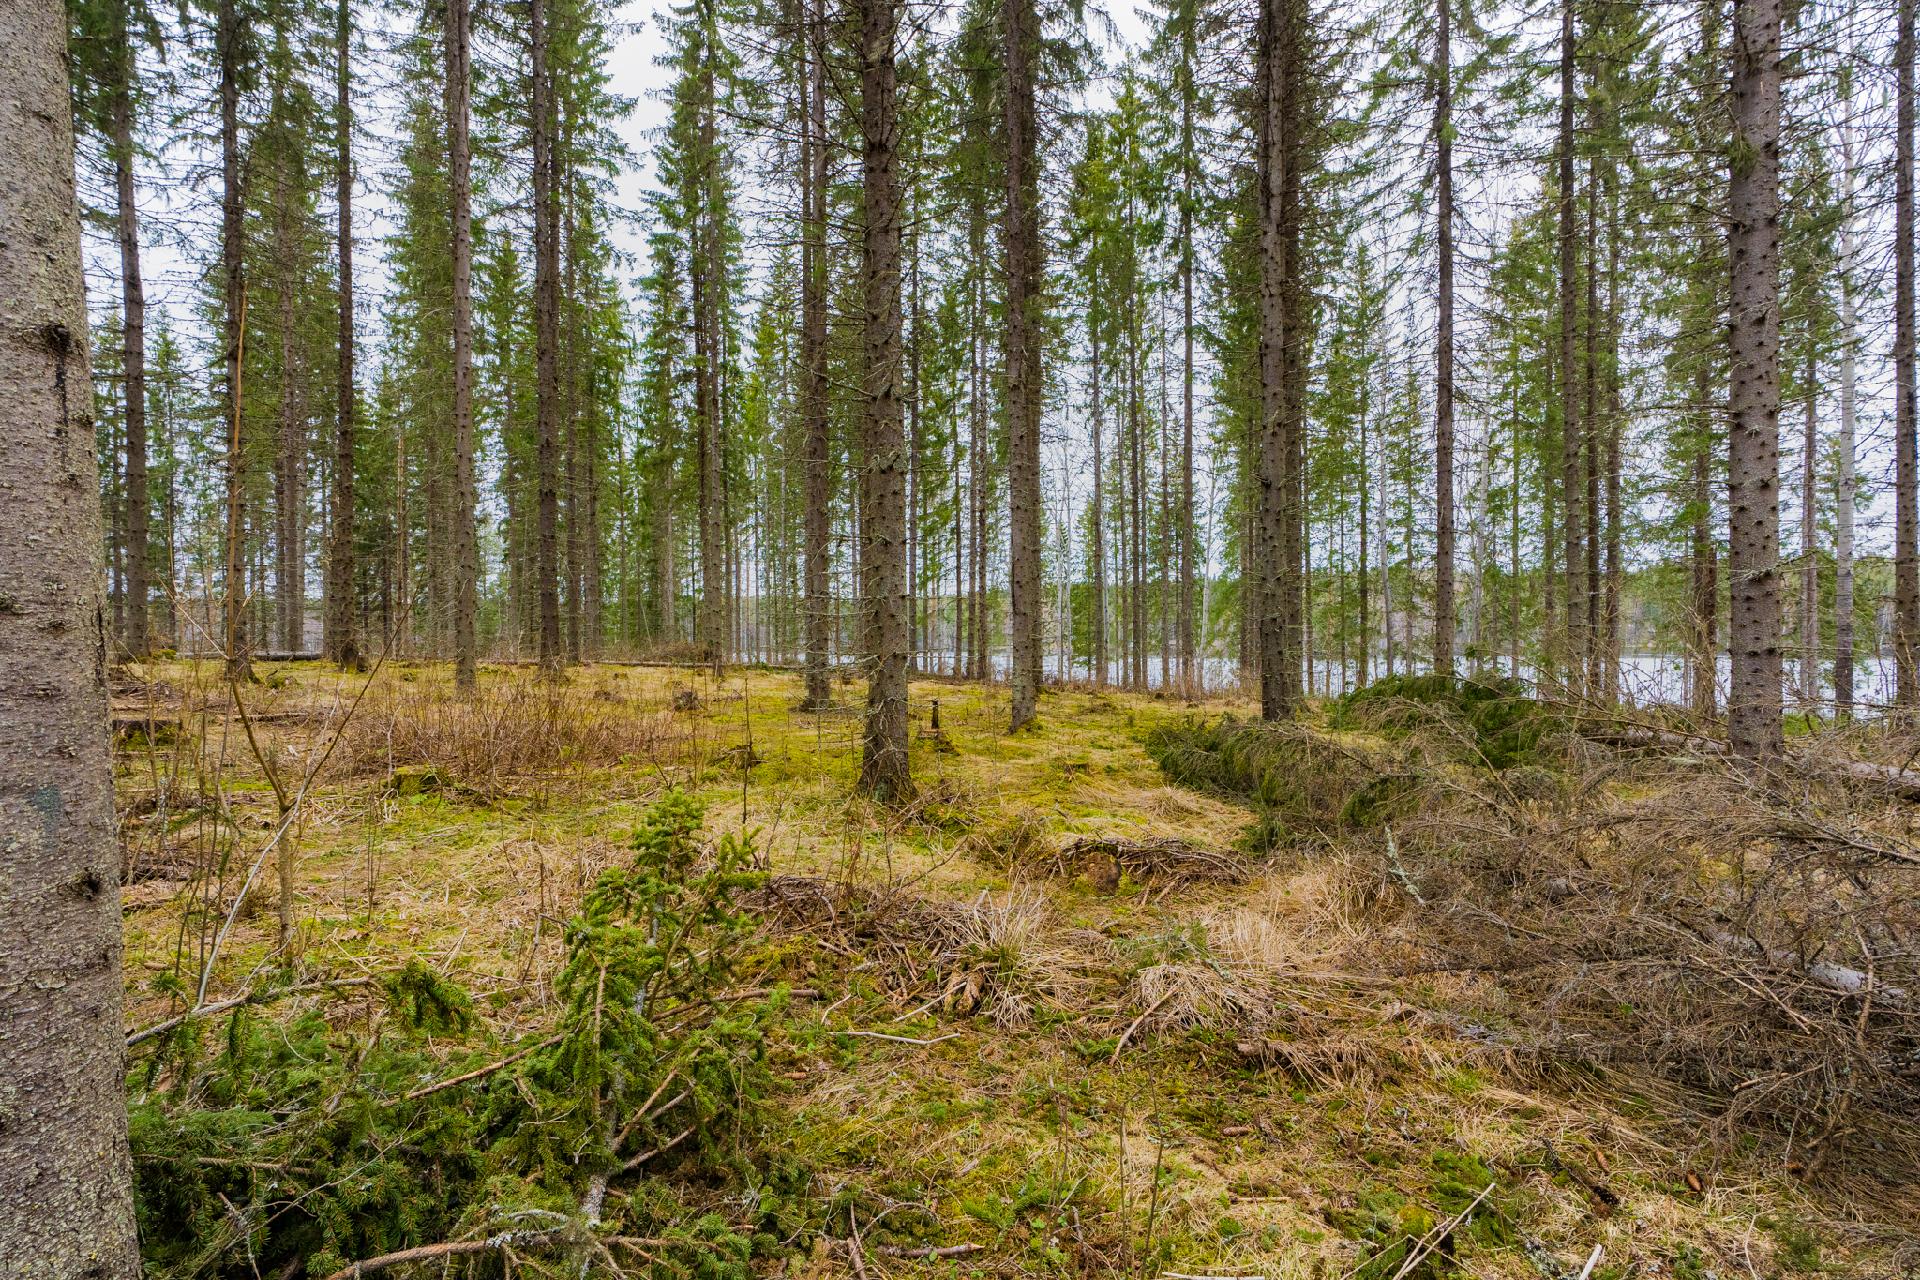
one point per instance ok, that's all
(66, 1201)
(1753, 402)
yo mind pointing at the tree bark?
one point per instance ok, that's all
(1023, 354)
(1279, 672)
(1189, 661)
(546, 305)
(289, 480)
(1753, 453)
(1906, 531)
(1572, 483)
(1443, 608)
(884, 771)
(818, 498)
(133, 344)
(1095, 513)
(1615, 567)
(1809, 622)
(1844, 481)
(466, 549)
(710, 619)
(227, 37)
(339, 639)
(1364, 650)
(66, 1194)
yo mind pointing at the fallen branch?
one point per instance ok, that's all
(1837, 978)
(931, 1251)
(446, 1249)
(882, 1035)
(257, 996)
(1903, 782)
(664, 1147)
(478, 1072)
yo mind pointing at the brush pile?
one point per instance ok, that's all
(1742, 944)
(1002, 955)
(1165, 860)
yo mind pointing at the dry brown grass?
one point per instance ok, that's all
(518, 730)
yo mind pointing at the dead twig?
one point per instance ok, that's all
(1134, 1026)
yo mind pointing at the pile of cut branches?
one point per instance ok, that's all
(1746, 939)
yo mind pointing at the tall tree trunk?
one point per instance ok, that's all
(1163, 584)
(818, 499)
(1279, 679)
(1513, 521)
(1753, 453)
(1364, 650)
(884, 771)
(1189, 668)
(1906, 522)
(665, 577)
(1843, 489)
(1572, 484)
(133, 343)
(1443, 608)
(1705, 646)
(1386, 570)
(546, 306)
(1295, 570)
(1095, 512)
(466, 548)
(233, 320)
(339, 641)
(977, 667)
(1809, 622)
(916, 640)
(1135, 499)
(710, 620)
(289, 501)
(573, 549)
(1592, 463)
(1610, 616)
(66, 1181)
(1024, 343)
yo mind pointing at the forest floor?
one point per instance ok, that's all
(1157, 1057)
